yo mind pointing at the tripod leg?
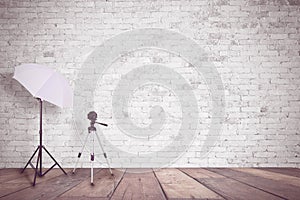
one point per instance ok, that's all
(30, 159)
(104, 154)
(36, 167)
(92, 169)
(92, 160)
(79, 154)
(54, 160)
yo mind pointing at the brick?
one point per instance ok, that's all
(253, 44)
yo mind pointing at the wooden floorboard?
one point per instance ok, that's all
(104, 186)
(51, 189)
(138, 186)
(198, 183)
(275, 187)
(227, 187)
(287, 171)
(12, 180)
(28, 175)
(285, 179)
(178, 185)
(9, 174)
(81, 198)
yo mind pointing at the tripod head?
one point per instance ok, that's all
(92, 116)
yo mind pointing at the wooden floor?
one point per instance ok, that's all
(208, 183)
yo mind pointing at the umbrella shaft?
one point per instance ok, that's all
(41, 133)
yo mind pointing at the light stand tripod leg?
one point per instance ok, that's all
(30, 159)
(80, 153)
(54, 160)
(37, 164)
(104, 154)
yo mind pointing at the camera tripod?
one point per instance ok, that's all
(92, 132)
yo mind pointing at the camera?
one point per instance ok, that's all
(92, 116)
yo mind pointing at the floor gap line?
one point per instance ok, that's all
(118, 184)
(160, 186)
(203, 184)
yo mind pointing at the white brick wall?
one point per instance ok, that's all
(254, 45)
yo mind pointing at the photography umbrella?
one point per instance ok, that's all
(45, 84)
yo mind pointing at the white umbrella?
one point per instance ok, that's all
(44, 83)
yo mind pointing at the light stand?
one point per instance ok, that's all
(39, 149)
